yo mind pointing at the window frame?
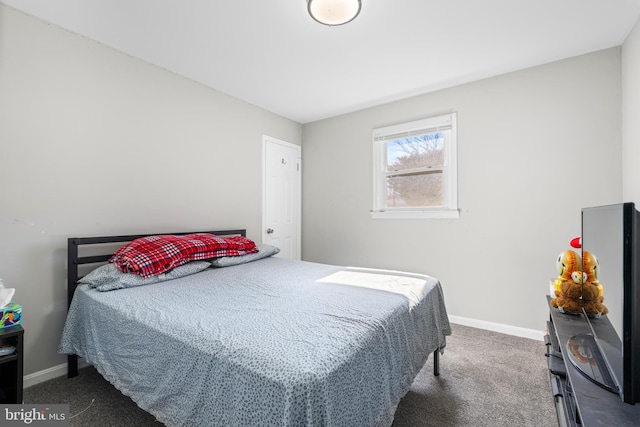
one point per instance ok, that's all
(382, 135)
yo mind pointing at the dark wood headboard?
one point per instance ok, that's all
(74, 261)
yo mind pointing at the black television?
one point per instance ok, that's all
(609, 351)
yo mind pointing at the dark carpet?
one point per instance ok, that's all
(486, 379)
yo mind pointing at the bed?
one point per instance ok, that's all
(267, 342)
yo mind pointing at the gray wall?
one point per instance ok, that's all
(94, 142)
(630, 115)
(534, 146)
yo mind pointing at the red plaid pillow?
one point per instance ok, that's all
(152, 255)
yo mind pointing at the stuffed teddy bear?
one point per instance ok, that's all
(568, 286)
(592, 290)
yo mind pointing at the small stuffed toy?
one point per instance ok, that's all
(567, 263)
(568, 286)
(592, 290)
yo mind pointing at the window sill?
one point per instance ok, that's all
(430, 214)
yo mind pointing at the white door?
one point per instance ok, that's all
(282, 196)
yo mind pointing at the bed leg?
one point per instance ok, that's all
(436, 362)
(72, 365)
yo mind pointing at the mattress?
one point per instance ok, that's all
(273, 342)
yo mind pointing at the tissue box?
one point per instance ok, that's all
(10, 315)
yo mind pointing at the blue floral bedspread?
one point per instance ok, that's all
(269, 343)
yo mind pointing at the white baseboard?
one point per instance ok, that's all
(499, 327)
(49, 373)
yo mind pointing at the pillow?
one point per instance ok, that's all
(108, 277)
(263, 252)
(153, 255)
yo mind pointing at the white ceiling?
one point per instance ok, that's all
(270, 53)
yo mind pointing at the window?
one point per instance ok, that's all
(414, 170)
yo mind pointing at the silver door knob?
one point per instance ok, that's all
(269, 230)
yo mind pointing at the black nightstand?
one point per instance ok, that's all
(11, 366)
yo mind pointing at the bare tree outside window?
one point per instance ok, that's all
(415, 184)
(415, 169)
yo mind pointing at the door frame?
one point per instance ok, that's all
(298, 210)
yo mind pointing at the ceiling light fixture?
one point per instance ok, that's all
(334, 12)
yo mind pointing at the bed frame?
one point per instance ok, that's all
(74, 261)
